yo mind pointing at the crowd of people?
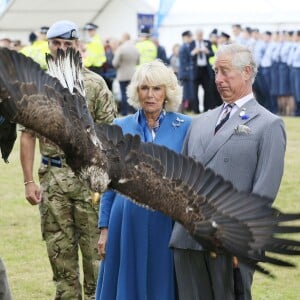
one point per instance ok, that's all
(143, 255)
(277, 54)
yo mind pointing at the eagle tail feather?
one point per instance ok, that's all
(66, 66)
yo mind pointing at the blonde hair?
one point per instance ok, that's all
(155, 73)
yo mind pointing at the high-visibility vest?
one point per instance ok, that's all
(37, 51)
(147, 50)
(95, 53)
(212, 58)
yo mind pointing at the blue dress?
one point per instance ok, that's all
(138, 263)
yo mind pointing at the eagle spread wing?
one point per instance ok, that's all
(8, 136)
(210, 208)
(53, 108)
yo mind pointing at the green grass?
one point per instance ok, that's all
(24, 252)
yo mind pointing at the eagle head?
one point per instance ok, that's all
(88, 160)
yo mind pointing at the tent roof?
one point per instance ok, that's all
(112, 16)
(191, 12)
(28, 15)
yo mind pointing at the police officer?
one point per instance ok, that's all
(147, 49)
(68, 216)
(38, 47)
(94, 57)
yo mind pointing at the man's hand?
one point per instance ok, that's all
(33, 193)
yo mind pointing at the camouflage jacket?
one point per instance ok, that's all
(100, 104)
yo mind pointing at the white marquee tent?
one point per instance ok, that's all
(207, 15)
(117, 16)
(112, 16)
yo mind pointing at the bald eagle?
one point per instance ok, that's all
(210, 208)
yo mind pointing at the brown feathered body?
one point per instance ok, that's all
(38, 101)
(210, 208)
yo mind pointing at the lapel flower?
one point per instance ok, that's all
(242, 129)
(177, 122)
(243, 114)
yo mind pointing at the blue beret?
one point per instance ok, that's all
(63, 30)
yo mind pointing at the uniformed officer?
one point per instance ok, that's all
(94, 57)
(68, 216)
(146, 47)
(38, 47)
(295, 69)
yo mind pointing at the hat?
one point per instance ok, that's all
(44, 29)
(186, 33)
(225, 35)
(145, 30)
(248, 29)
(90, 26)
(214, 32)
(63, 30)
(32, 37)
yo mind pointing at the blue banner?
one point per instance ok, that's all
(145, 20)
(163, 10)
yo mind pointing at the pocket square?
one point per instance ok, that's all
(242, 129)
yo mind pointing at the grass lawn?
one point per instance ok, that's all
(24, 252)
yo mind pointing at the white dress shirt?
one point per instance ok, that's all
(237, 105)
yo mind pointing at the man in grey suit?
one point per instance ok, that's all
(247, 149)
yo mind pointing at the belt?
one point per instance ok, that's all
(52, 161)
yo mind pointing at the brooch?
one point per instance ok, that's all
(242, 129)
(243, 114)
(177, 122)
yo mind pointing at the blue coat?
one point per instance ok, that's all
(139, 263)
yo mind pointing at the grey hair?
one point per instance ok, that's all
(155, 73)
(241, 57)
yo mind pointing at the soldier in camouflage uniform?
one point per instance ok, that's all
(68, 216)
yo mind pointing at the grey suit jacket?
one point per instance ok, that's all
(125, 60)
(252, 161)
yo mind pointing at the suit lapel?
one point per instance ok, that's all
(215, 142)
(210, 121)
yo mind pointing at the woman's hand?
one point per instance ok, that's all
(102, 243)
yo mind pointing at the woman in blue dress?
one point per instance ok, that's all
(136, 260)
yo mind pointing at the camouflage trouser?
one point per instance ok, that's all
(4, 288)
(69, 221)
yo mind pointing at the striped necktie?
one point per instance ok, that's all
(225, 116)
